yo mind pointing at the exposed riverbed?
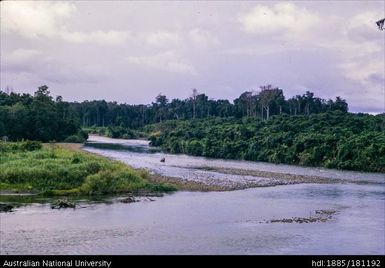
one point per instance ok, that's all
(309, 211)
(225, 174)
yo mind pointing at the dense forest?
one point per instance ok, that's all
(41, 117)
(263, 104)
(38, 117)
(333, 139)
(258, 126)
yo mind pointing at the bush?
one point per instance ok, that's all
(112, 182)
(161, 187)
(93, 167)
(195, 147)
(30, 145)
(20, 146)
(75, 139)
(83, 134)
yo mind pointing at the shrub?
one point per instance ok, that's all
(111, 182)
(83, 134)
(20, 146)
(75, 139)
(30, 145)
(93, 167)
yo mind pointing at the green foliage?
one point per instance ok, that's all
(30, 145)
(120, 120)
(119, 180)
(80, 137)
(19, 146)
(36, 117)
(164, 187)
(53, 170)
(101, 131)
(113, 132)
(121, 132)
(334, 139)
(83, 134)
(40, 117)
(304, 129)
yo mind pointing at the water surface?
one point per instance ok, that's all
(207, 223)
(233, 222)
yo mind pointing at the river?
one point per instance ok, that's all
(256, 220)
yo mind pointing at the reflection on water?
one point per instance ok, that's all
(23, 199)
(138, 148)
(205, 223)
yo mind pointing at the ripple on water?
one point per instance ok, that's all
(207, 223)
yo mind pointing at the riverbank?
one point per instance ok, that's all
(300, 215)
(193, 173)
(65, 169)
(256, 178)
(329, 140)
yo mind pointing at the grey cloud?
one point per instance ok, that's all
(139, 49)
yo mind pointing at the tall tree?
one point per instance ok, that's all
(194, 98)
(270, 97)
(161, 102)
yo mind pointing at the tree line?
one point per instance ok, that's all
(267, 102)
(41, 117)
(258, 126)
(264, 104)
(38, 117)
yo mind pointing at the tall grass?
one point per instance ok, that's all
(54, 170)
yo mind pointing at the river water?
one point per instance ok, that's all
(232, 222)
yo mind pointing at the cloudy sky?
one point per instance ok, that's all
(132, 51)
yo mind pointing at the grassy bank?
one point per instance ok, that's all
(55, 169)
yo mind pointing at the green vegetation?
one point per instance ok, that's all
(38, 117)
(267, 102)
(55, 170)
(258, 126)
(333, 140)
(114, 132)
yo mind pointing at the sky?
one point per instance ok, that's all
(130, 51)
